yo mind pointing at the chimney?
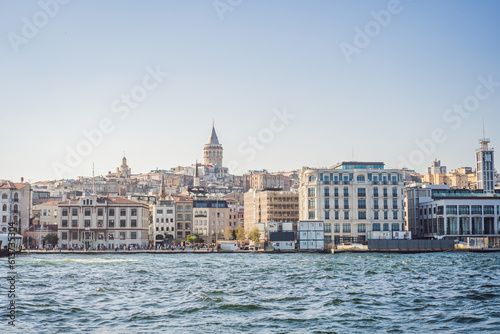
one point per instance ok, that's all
(22, 179)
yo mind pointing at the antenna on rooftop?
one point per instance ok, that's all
(93, 180)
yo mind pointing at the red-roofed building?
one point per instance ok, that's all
(15, 206)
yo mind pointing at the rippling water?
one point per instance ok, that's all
(257, 293)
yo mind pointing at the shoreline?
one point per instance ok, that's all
(333, 252)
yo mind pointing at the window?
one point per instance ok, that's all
(170, 211)
(394, 192)
(463, 209)
(159, 211)
(111, 223)
(327, 192)
(311, 204)
(376, 227)
(180, 208)
(123, 212)
(74, 223)
(346, 192)
(385, 192)
(100, 212)
(64, 211)
(4, 196)
(489, 210)
(74, 235)
(87, 211)
(375, 203)
(361, 228)
(440, 210)
(133, 223)
(311, 215)
(346, 214)
(64, 235)
(310, 192)
(122, 235)
(111, 236)
(336, 192)
(336, 228)
(346, 228)
(65, 223)
(336, 215)
(327, 214)
(386, 227)
(111, 212)
(100, 223)
(188, 208)
(134, 212)
(122, 222)
(327, 203)
(361, 192)
(451, 209)
(375, 192)
(361, 203)
(386, 215)
(328, 227)
(346, 203)
(385, 204)
(179, 216)
(360, 178)
(395, 203)
(187, 216)
(361, 214)
(87, 223)
(375, 215)
(395, 226)
(394, 215)
(336, 203)
(312, 178)
(74, 212)
(133, 235)
(476, 210)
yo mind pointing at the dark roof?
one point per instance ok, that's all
(282, 236)
(213, 137)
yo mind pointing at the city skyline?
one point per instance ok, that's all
(380, 81)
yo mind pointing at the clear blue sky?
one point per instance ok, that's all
(264, 55)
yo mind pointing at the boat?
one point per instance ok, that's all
(10, 244)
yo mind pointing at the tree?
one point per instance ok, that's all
(254, 235)
(228, 234)
(51, 239)
(190, 239)
(240, 233)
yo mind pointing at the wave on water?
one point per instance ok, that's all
(94, 260)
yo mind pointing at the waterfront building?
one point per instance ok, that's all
(440, 212)
(44, 222)
(282, 240)
(94, 221)
(311, 235)
(270, 206)
(211, 218)
(163, 227)
(15, 206)
(353, 199)
(183, 217)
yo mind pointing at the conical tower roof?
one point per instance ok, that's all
(213, 137)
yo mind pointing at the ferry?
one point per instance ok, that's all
(16, 243)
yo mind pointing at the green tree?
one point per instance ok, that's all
(228, 234)
(51, 239)
(240, 233)
(196, 238)
(190, 239)
(254, 235)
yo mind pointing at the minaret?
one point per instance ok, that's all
(162, 190)
(212, 153)
(196, 181)
(485, 169)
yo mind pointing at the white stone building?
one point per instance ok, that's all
(15, 206)
(353, 199)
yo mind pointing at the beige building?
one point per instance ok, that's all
(15, 206)
(183, 217)
(94, 221)
(262, 179)
(211, 218)
(270, 206)
(461, 178)
(44, 222)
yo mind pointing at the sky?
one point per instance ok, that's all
(288, 83)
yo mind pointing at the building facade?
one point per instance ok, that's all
(15, 205)
(98, 222)
(353, 199)
(211, 218)
(270, 206)
(485, 167)
(163, 228)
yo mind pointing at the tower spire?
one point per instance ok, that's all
(162, 190)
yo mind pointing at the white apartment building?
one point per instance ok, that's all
(211, 218)
(353, 199)
(94, 221)
(15, 205)
(163, 220)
